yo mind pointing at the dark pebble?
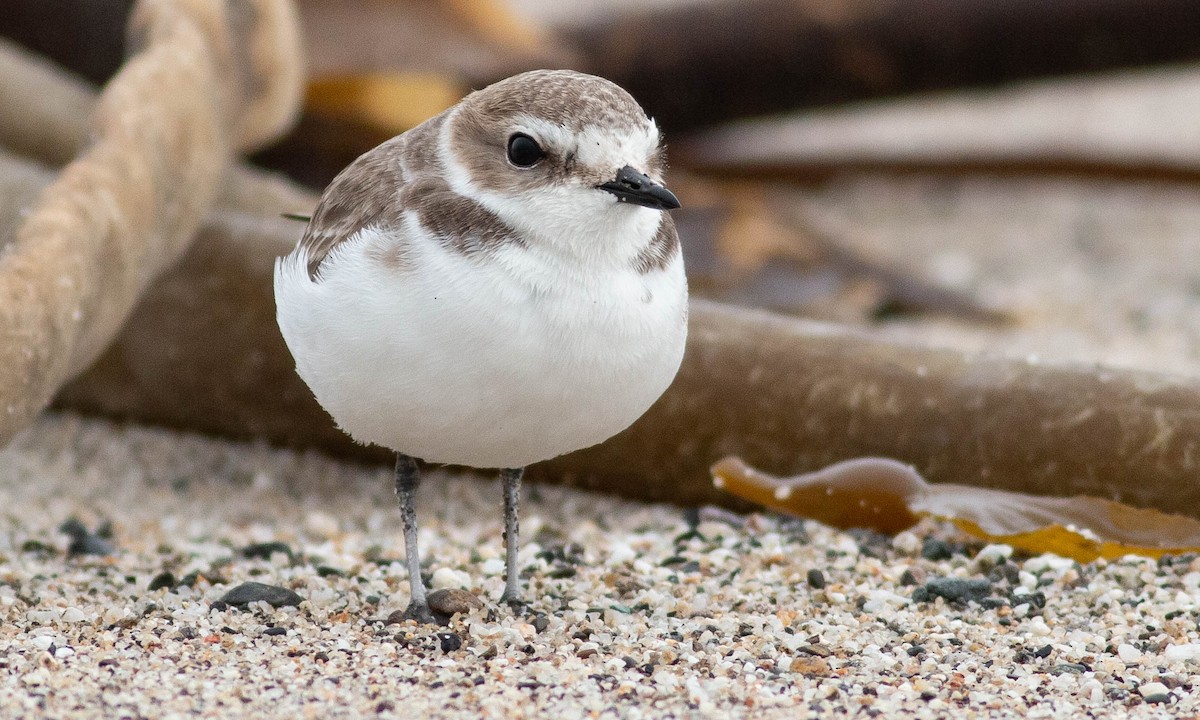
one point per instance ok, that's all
(273, 595)
(109, 662)
(957, 589)
(84, 542)
(219, 606)
(326, 571)
(1008, 572)
(1072, 668)
(385, 706)
(449, 601)
(1158, 698)
(187, 632)
(1044, 651)
(37, 546)
(275, 631)
(935, 549)
(915, 650)
(690, 566)
(540, 623)
(449, 641)
(264, 550)
(321, 657)
(396, 618)
(816, 579)
(908, 578)
(563, 572)
(162, 580)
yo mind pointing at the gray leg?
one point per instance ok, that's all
(512, 491)
(407, 479)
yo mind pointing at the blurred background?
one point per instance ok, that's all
(1017, 175)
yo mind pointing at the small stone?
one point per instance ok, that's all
(912, 576)
(587, 649)
(451, 601)
(1182, 653)
(816, 579)
(935, 549)
(162, 580)
(958, 589)
(992, 555)
(84, 542)
(275, 631)
(449, 641)
(264, 550)
(448, 578)
(540, 623)
(1129, 654)
(396, 618)
(273, 595)
(321, 524)
(73, 615)
(1154, 692)
(906, 543)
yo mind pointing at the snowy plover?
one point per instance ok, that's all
(495, 287)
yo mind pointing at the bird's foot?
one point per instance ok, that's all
(419, 612)
(514, 601)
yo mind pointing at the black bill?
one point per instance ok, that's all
(635, 187)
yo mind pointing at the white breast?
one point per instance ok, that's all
(467, 361)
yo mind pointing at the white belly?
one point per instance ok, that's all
(467, 365)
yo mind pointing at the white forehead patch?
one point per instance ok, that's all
(603, 147)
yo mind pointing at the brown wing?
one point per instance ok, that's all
(368, 191)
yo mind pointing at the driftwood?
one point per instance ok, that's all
(1135, 123)
(128, 205)
(699, 65)
(202, 352)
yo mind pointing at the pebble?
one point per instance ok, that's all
(816, 579)
(1182, 653)
(936, 549)
(264, 550)
(992, 555)
(1154, 692)
(449, 601)
(273, 595)
(1129, 654)
(446, 578)
(745, 635)
(953, 589)
(83, 541)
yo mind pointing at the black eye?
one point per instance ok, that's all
(523, 151)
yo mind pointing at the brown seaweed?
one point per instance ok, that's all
(889, 496)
